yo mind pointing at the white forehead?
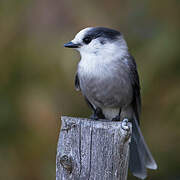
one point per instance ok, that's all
(80, 35)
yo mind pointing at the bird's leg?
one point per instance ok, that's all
(98, 114)
(117, 118)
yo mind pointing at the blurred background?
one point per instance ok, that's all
(37, 78)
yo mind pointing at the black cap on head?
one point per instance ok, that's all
(107, 33)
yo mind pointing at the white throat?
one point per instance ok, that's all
(99, 62)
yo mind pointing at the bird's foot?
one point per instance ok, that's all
(98, 114)
(126, 127)
(117, 118)
(94, 117)
(125, 124)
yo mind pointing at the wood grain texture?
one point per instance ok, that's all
(92, 150)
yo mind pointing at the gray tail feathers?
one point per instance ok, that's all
(140, 155)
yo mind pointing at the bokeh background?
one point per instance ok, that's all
(37, 78)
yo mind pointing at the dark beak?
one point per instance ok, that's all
(71, 45)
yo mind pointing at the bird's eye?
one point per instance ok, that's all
(87, 40)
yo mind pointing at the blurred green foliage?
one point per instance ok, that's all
(37, 74)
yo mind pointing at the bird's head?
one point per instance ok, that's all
(98, 41)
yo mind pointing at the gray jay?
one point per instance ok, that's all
(108, 79)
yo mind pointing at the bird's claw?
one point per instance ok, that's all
(125, 124)
(117, 118)
(94, 117)
(97, 114)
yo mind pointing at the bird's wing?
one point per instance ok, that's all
(136, 87)
(78, 88)
(77, 83)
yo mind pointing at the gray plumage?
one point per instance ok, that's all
(108, 79)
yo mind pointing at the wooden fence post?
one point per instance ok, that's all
(93, 150)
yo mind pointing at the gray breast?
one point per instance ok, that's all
(107, 86)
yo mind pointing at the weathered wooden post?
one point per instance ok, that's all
(93, 150)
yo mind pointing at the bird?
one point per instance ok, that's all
(108, 79)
